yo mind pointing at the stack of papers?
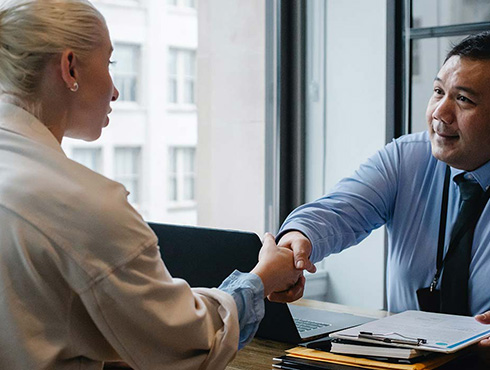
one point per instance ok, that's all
(412, 340)
(350, 347)
(324, 360)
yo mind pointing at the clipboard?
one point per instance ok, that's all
(426, 331)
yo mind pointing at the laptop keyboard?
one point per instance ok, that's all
(306, 325)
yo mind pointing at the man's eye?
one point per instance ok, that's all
(464, 99)
(438, 91)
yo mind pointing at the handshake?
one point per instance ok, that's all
(281, 266)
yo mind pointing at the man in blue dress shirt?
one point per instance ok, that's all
(401, 186)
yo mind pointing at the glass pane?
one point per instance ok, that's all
(125, 71)
(172, 189)
(172, 91)
(172, 161)
(127, 166)
(172, 62)
(427, 58)
(189, 188)
(132, 187)
(430, 13)
(189, 92)
(189, 160)
(126, 87)
(189, 63)
(89, 157)
(125, 57)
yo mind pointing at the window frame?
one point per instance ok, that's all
(137, 175)
(98, 152)
(135, 74)
(179, 175)
(181, 78)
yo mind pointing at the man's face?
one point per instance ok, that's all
(458, 113)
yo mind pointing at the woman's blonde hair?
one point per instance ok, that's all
(33, 31)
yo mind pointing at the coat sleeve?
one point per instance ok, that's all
(156, 322)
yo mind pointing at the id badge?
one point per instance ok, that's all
(429, 300)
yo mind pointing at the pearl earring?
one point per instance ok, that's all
(74, 88)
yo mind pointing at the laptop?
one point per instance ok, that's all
(204, 257)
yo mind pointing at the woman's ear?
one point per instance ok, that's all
(69, 74)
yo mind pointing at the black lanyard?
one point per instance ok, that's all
(456, 234)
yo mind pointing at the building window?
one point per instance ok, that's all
(126, 70)
(181, 76)
(182, 175)
(89, 157)
(127, 171)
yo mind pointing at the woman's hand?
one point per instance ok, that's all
(277, 271)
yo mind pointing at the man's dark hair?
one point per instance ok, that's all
(475, 46)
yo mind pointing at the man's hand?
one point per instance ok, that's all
(484, 345)
(301, 247)
(276, 270)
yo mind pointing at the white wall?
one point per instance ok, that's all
(356, 125)
(231, 115)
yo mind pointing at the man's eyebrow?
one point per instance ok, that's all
(469, 90)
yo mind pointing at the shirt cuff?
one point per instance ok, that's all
(248, 292)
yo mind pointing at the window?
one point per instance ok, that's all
(181, 175)
(343, 92)
(127, 171)
(126, 71)
(89, 157)
(172, 76)
(181, 76)
(162, 74)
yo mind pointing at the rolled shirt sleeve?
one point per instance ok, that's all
(248, 292)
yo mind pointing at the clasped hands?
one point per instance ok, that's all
(281, 266)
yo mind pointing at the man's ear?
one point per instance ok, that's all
(68, 64)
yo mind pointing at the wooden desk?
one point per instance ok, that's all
(259, 353)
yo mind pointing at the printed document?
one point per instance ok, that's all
(434, 331)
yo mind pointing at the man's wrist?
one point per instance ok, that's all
(287, 231)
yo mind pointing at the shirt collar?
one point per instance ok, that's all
(480, 175)
(18, 120)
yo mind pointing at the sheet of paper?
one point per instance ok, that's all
(444, 333)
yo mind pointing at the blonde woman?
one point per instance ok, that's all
(81, 278)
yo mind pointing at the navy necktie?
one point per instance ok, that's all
(454, 285)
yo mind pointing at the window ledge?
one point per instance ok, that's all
(128, 106)
(184, 206)
(181, 108)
